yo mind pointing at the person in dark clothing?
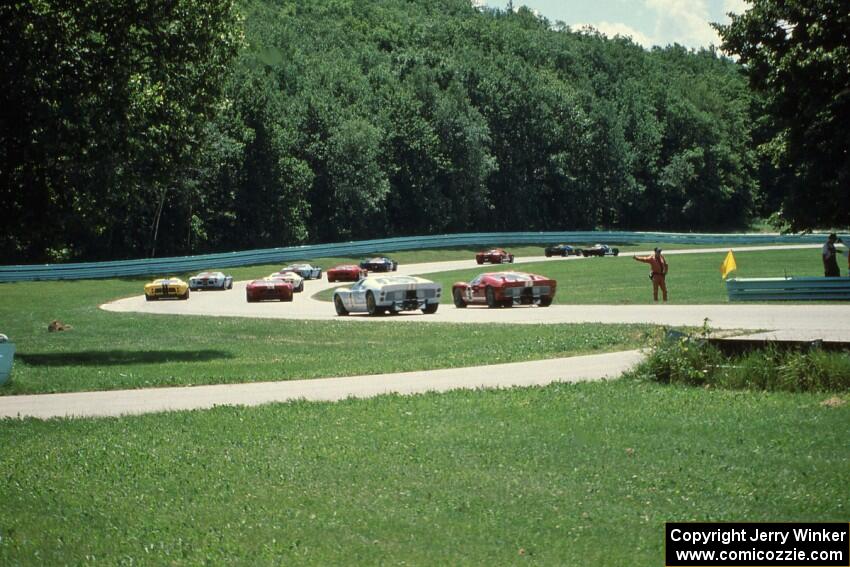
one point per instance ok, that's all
(830, 257)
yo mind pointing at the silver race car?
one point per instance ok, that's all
(306, 271)
(210, 280)
(379, 294)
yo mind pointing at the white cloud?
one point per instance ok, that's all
(734, 6)
(612, 29)
(683, 21)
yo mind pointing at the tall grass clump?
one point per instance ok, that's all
(698, 363)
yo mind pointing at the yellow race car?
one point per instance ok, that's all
(174, 288)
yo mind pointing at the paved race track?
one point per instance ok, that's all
(798, 321)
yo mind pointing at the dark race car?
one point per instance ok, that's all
(600, 250)
(346, 273)
(379, 264)
(561, 250)
(267, 288)
(504, 289)
(494, 256)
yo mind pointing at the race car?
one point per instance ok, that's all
(306, 271)
(268, 288)
(378, 294)
(561, 250)
(600, 250)
(346, 273)
(293, 279)
(494, 256)
(173, 288)
(210, 280)
(379, 264)
(504, 289)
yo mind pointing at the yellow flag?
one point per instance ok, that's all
(728, 265)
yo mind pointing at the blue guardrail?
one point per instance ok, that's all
(183, 264)
(788, 289)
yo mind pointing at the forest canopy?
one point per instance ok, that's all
(796, 54)
(180, 127)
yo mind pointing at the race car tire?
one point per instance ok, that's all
(491, 297)
(300, 286)
(371, 306)
(330, 279)
(230, 285)
(616, 251)
(545, 301)
(185, 295)
(249, 299)
(340, 308)
(150, 298)
(460, 303)
(480, 260)
(548, 254)
(430, 308)
(511, 260)
(583, 254)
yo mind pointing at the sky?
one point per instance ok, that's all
(647, 22)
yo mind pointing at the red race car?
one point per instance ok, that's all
(268, 288)
(504, 289)
(346, 273)
(494, 256)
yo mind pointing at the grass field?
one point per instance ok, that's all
(112, 350)
(123, 350)
(693, 278)
(581, 474)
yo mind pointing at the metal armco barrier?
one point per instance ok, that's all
(176, 265)
(789, 289)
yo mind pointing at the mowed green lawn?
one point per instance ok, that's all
(693, 278)
(562, 475)
(126, 350)
(112, 350)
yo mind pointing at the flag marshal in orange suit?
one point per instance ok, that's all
(659, 267)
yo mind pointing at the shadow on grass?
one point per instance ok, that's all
(119, 357)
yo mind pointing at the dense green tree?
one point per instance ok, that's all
(103, 106)
(178, 127)
(797, 54)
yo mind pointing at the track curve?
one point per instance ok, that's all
(823, 321)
